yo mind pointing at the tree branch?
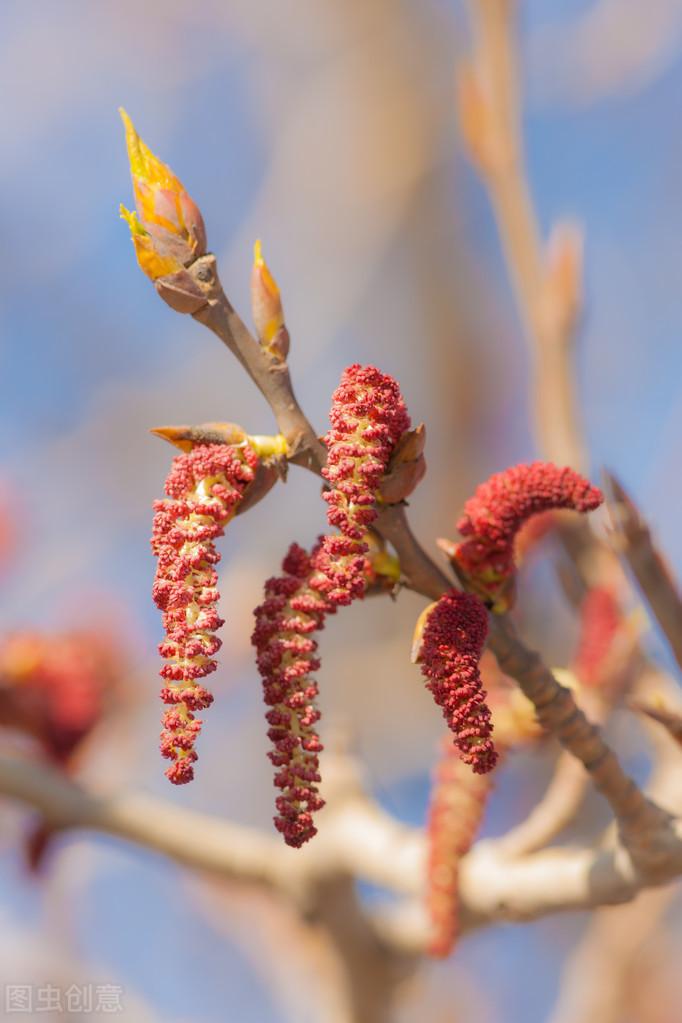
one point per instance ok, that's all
(269, 372)
(632, 540)
(490, 116)
(361, 842)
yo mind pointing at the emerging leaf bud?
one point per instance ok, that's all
(167, 230)
(266, 305)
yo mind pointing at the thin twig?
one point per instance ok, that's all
(632, 540)
(490, 112)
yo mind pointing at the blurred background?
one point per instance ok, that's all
(326, 128)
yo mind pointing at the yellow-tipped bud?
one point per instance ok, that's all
(168, 230)
(151, 262)
(266, 306)
(187, 437)
(382, 571)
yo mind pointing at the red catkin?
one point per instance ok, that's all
(600, 623)
(286, 655)
(368, 417)
(54, 687)
(498, 509)
(458, 803)
(449, 654)
(204, 488)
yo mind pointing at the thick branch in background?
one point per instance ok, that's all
(493, 886)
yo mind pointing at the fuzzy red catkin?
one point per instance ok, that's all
(204, 488)
(368, 417)
(501, 505)
(456, 809)
(449, 654)
(286, 657)
(600, 621)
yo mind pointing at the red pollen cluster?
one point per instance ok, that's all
(458, 802)
(449, 655)
(368, 417)
(292, 611)
(55, 687)
(498, 509)
(204, 488)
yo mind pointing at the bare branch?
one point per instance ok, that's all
(269, 372)
(555, 811)
(490, 118)
(191, 838)
(361, 842)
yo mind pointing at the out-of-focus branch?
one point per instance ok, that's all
(555, 811)
(493, 886)
(191, 838)
(644, 828)
(671, 720)
(595, 980)
(546, 285)
(563, 796)
(632, 540)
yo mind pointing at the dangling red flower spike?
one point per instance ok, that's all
(458, 802)
(448, 647)
(368, 417)
(286, 657)
(204, 487)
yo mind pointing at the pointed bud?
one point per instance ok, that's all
(186, 437)
(406, 468)
(168, 230)
(266, 305)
